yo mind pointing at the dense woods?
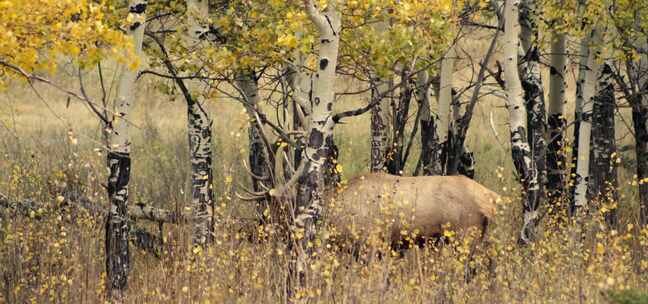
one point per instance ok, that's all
(208, 151)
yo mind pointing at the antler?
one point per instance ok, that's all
(280, 189)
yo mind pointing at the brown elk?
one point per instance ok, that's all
(424, 205)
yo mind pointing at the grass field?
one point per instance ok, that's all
(57, 257)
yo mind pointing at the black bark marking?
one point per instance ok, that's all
(120, 170)
(135, 25)
(331, 175)
(117, 228)
(323, 64)
(604, 182)
(138, 8)
(316, 139)
(553, 71)
(467, 164)
(431, 149)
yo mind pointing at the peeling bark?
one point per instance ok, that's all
(533, 92)
(202, 196)
(380, 129)
(556, 161)
(395, 153)
(380, 119)
(119, 164)
(199, 126)
(604, 182)
(520, 148)
(117, 228)
(431, 148)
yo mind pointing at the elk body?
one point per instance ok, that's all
(397, 206)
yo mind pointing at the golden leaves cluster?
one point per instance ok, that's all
(34, 34)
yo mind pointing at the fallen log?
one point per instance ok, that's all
(140, 237)
(138, 211)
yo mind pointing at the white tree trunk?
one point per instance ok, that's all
(589, 89)
(556, 160)
(445, 96)
(199, 126)
(533, 91)
(119, 164)
(578, 111)
(520, 150)
(311, 183)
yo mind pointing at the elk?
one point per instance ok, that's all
(424, 205)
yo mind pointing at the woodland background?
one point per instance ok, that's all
(53, 160)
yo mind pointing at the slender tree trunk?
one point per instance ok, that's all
(431, 148)
(520, 149)
(119, 165)
(582, 165)
(202, 195)
(640, 120)
(445, 102)
(311, 183)
(380, 128)
(395, 154)
(556, 162)
(299, 80)
(584, 52)
(603, 183)
(199, 126)
(533, 91)
(257, 155)
(380, 117)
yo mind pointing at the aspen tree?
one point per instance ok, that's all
(584, 51)
(603, 181)
(556, 160)
(445, 101)
(200, 135)
(257, 154)
(431, 148)
(533, 90)
(640, 119)
(589, 88)
(119, 163)
(311, 183)
(380, 114)
(520, 149)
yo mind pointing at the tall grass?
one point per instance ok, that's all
(55, 255)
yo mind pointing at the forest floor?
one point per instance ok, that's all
(52, 256)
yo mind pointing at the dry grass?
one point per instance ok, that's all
(57, 256)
